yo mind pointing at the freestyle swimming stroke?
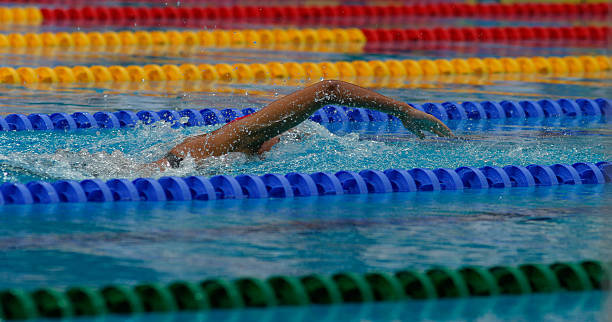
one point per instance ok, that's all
(259, 131)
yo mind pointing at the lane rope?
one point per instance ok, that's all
(294, 184)
(345, 70)
(303, 39)
(467, 110)
(337, 15)
(314, 289)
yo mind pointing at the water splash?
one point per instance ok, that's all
(106, 154)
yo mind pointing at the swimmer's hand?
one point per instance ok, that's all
(417, 121)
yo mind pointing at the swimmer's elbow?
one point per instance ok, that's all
(329, 90)
(330, 85)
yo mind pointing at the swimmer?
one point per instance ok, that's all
(258, 132)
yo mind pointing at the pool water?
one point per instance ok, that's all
(55, 244)
(94, 244)
(564, 306)
(105, 154)
(79, 244)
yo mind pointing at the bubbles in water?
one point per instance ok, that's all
(310, 147)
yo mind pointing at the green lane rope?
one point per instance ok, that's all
(343, 287)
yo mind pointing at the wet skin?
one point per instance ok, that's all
(259, 131)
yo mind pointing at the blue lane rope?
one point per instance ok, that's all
(330, 114)
(295, 184)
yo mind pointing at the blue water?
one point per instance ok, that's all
(96, 244)
(80, 244)
(585, 306)
(65, 244)
(54, 155)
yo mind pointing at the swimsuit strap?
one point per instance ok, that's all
(238, 118)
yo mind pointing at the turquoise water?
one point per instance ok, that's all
(558, 307)
(54, 155)
(79, 244)
(95, 244)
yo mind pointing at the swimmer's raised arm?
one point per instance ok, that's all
(250, 133)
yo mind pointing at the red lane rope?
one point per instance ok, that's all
(349, 15)
(489, 34)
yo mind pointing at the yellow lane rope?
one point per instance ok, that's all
(397, 70)
(20, 16)
(291, 39)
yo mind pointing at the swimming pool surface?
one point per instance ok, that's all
(55, 155)
(94, 244)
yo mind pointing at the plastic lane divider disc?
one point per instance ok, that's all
(3, 125)
(149, 189)
(589, 173)
(472, 178)
(588, 107)
(479, 281)
(302, 184)
(195, 117)
(449, 179)
(155, 298)
(85, 301)
(496, 177)
(357, 114)
(474, 111)
(40, 121)
(126, 118)
(436, 110)
(212, 116)
(352, 183)
(321, 289)
(543, 175)
(230, 114)
(148, 117)
(18, 122)
(123, 190)
(96, 190)
(493, 110)
(255, 292)
(107, 120)
(569, 107)
(252, 186)
(384, 287)
(550, 108)
(455, 111)
(81, 120)
(606, 169)
(327, 184)
(175, 188)
(531, 109)
(512, 109)
(222, 294)
(277, 185)
(16, 193)
(519, 176)
(226, 187)
(401, 180)
(376, 181)
(353, 287)
(288, 290)
(69, 191)
(201, 188)
(336, 113)
(42, 192)
(188, 296)
(425, 179)
(566, 174)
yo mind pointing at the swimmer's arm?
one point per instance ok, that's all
(248, 134)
